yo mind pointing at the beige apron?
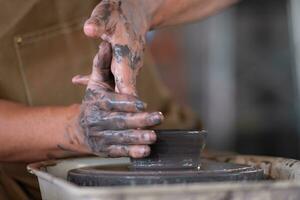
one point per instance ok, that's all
(41, 48)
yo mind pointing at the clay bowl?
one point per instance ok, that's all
(173, 150)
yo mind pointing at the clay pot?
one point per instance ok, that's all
(173, 150)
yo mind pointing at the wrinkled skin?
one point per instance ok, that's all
(124, 27)
(111, 121)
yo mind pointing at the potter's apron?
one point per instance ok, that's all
(42, 47)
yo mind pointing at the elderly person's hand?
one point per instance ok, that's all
(111, 122)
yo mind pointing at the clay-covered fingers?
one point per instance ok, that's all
(125, 66)
(122, 103)
(124, 137)
(125, 78)
(133, 143)
(98, 120)
(98, 22)
(134, 151)
(119, 121)
(110, 101)
(102, 77)
(124, 28)
(134, 120)
(99, 148)
(114, 151)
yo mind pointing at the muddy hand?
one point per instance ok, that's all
(111, 121)
(124, 25)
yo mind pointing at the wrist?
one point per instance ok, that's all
(151, 9)
(70, 142)
(74, 134)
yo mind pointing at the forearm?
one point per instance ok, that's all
(172, 12)
(34, 133)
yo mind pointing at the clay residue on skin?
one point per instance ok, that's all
(101, 127)
(125, 28)
(109, 124)
(122, 51)
(110, 101)
(96, 119)
(106, 13)
(109, 120)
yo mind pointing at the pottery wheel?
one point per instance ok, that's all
(122, 175)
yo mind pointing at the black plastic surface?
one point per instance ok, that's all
(209, 171)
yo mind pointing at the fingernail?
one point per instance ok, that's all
(140, 105)
(161, 116)
(144, 151)
(157, 118)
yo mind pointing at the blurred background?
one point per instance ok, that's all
(239, 72)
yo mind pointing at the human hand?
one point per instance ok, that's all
(111, 122)
(124, 25)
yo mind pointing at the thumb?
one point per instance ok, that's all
(95, 25)
(101, 75)
(81, 79)
(125, 66)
